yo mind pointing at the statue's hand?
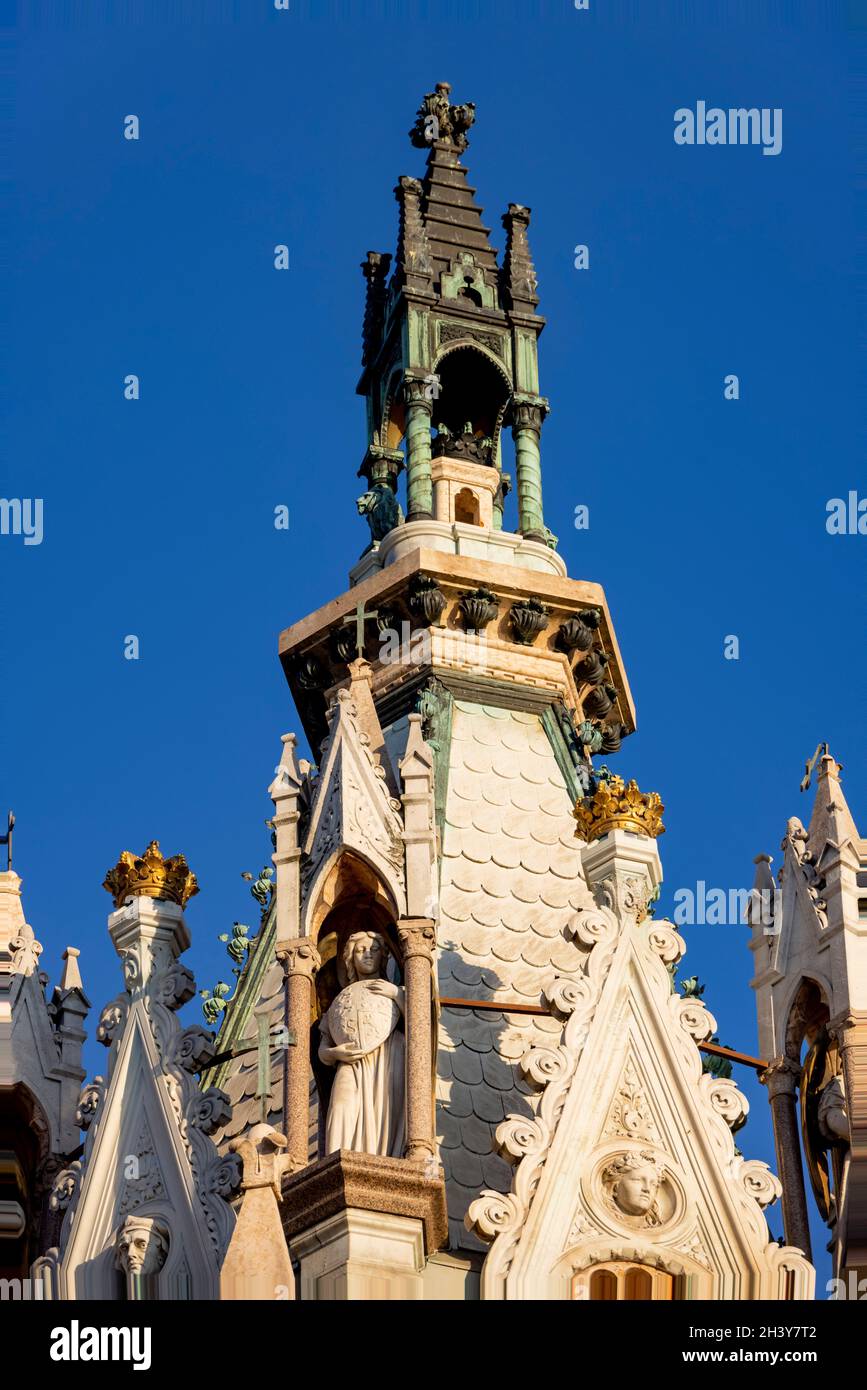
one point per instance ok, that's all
(384, 987)
(340, 1052)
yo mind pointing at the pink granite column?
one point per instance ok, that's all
(301, 961)
(418, 939)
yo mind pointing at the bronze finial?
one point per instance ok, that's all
(437, 119)
(616, 805)
(151, 876)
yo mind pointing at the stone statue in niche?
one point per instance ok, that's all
(631, 1183)
(832, 1114)
(362, 1037)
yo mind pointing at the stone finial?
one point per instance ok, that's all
(414, 259)
(257, 1263)
(519, 274)
(437, 119)
(760, 908)
(151, 876)
(376, 268)
(287, 781)
(71, 978)
(616, 805)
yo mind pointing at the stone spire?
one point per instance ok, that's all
(831, 819)
(449, 344)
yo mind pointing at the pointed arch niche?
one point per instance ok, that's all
(352, 897)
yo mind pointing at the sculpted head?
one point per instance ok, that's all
(632, 1181)
(364, 956)
(141, 1245)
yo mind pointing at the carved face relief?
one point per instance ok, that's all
(635, 1192)
(634, 1188)
(141, 1246)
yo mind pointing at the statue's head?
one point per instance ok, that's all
(141, 1245)
(632, 1182)
(365, 956)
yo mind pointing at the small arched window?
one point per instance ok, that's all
(623, 1282)
(467, 507)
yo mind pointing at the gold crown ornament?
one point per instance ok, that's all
(151, 876)
(619, 805)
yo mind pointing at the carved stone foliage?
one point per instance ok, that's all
(25, 951)
(798, 856)
(88, 1102)
(630, 1113)
(195, 1047)
(457, 332)
(142, 1179)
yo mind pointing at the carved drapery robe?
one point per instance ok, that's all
(366, 1110)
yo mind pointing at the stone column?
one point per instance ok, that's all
(781, 1079)
(419, 485)
(285, 791)
(301, 961)
(418, 939)
(503, 489)
(528, 412)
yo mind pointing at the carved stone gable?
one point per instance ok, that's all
(352, 808)
(631, 1154)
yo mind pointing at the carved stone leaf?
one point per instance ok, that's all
(630, 1114)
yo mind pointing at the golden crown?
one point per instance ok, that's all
(151, 876)
(617, 805)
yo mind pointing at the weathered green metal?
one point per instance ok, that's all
(528, 412)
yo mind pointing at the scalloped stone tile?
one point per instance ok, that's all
(509, 883)
(467, 1065)
(488, 1105)
(506, 946)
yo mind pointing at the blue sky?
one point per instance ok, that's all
(156, 257)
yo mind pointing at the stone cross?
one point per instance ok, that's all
(359, 617)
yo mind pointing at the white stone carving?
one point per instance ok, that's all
(352, 808)
(360, 1036)
(147, 1155)
(630, 1114)
(599, 1175)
